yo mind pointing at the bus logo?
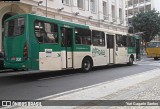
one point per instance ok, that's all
(98, 52)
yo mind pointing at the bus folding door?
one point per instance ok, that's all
(110, 48)
(66, 45)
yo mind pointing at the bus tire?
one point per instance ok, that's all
(155, 58)
(1, 65)
(15, 70)
(87, 64)
(130, 61)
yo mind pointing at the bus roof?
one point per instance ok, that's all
(68, 23)
(48, 18)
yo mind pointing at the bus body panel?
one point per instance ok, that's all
(14, 45)
(49, 60)
(78, 58)
(59, 56)
(153, 49)
(121, 55)
(153, 52)
(34, 47)
(99, 55)
(14, 52)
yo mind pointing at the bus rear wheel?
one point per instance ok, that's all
(86, 65)
(15, 70)
(130, 61)
(155, 58)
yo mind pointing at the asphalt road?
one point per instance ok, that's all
(34, 86)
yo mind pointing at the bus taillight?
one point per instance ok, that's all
(25, 53)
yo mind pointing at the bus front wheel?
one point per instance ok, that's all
(86, 65)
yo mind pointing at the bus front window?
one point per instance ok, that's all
(14, 27)
(152, 44)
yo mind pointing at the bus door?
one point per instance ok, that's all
(110, 48)
(121, 49)
(66, 45)
(138, 49)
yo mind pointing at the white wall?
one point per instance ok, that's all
(155, 4)
(69, 10)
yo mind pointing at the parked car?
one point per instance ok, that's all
(1, 61)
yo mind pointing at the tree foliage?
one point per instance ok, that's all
(148, 23)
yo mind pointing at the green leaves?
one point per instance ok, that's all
(149, 23)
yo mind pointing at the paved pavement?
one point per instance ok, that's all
(141, 86)
(20, 86)
(144, 86)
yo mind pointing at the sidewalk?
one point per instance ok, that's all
(143, 86)
(147, 90)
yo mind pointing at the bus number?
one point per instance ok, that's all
(18, 59)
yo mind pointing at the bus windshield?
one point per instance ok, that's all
(14, 27)
(153, 44)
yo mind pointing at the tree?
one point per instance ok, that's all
(148, 23)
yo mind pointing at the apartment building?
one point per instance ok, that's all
(108, 14)
(135, 6)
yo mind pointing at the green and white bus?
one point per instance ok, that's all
(34, 42)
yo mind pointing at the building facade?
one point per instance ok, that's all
(109, 14)
(135, 6)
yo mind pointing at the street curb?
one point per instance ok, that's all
(102, 89)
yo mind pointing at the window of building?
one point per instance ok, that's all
(105, 10)
(82, 36)
(93, 6)
(67, 2)
(80, 4)
(113, 12)
(120, 14)
(46, 32)
(98, 38)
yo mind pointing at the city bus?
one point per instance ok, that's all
(33, 42)
(153, 50)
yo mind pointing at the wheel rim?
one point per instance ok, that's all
(87, 65)
(131, 60)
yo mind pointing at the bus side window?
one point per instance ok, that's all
(39, 30)
(46, 32)
(98, 38)
(82, 36)
(51, 33)
(125, 41)
(120, 40)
